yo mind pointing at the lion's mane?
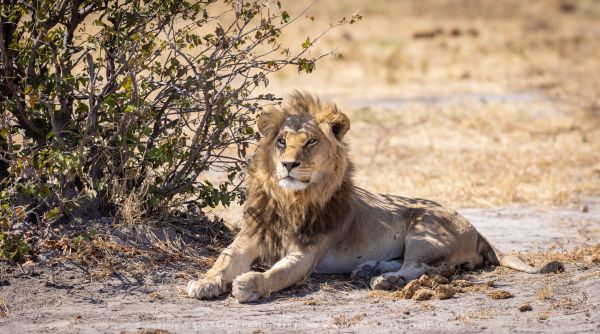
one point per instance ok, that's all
(278, 216)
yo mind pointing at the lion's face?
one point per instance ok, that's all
(301, 153)
(304, 144)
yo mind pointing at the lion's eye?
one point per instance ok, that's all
(311, 142)
(281, 142)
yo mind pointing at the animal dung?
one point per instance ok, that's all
(500, 294)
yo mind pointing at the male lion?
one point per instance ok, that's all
(303, 214)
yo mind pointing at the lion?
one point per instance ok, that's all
(303, 214)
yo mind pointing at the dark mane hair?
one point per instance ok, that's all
(274, 224)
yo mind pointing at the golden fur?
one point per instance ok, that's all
(303, 214)
(277, 215)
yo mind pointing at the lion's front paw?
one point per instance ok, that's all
(205, 288)
(387, 282)
(247, 287)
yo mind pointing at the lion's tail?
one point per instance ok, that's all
(496, 257)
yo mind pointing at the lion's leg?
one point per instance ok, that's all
(233, 261)
(420, 252)
(374, 268)
(438, 238)
(475, 262)
(286, 272)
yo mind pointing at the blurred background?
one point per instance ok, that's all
(471, 103)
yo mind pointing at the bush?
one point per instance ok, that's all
(123, 107)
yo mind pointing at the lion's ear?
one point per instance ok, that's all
(338, 122)
(270, 121)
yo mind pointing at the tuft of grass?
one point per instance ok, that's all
(545, 293)
(582, 254)
(344, 321)
(3, 309)
(154, 296)
(475, 316)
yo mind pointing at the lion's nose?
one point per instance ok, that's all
(289, 165)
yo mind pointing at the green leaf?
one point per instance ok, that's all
(128, 84)
(110, 101)
(84, 108)
(306, 43)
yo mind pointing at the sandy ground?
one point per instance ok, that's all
(61, 299)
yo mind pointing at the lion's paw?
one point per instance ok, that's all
(246, 287)
(366, 270)
(387, 282)
(204, 288)
(373, 268)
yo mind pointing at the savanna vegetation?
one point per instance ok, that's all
(126, 108)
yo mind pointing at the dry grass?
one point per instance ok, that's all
(3, 308)
(318, 282)
(492, 156)
(344, 321)
(154, 296)
(545, 293)
(474, 316)
(497, 107)
(584, 254)
(149, 331)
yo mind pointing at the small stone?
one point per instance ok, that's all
(392, 278)
(423, 294)
(490, 284)
(584, 208)
(500, 294)
(525, 307)
(553, 267)
(596, 257)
